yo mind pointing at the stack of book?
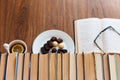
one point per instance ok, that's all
(81, 66)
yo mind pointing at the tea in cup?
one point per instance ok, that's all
(14, 46)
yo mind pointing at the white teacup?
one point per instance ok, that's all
(18, 43)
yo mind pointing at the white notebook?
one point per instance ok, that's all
(86, 30)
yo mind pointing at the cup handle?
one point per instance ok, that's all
(6, 46)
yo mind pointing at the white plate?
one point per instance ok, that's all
(45, 36)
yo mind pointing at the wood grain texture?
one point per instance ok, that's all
(25, 19)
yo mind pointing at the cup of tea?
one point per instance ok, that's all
(14, 46)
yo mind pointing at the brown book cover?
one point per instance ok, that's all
(72, 66)
(106, 67)
(2, 66)
(80, 67)
(20, 66)
(59, 67)
(52, 66)
(89, 64)
(43, 67)
(11, 66)
(34, 67)
(26, 66)
(66, 66)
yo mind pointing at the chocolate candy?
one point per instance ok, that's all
(64, 50)
(60, 51)
(43, 51)
(50, 44)
(47, 47)
(59, 40)
(54, 50)
(61, 45)
(53, 39)
(55, 43)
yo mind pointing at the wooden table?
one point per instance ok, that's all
(25, 19)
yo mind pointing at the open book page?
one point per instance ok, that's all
(86, 31)
(111, 39)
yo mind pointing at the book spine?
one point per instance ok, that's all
(59, 67)
(34, 67)
(52, 66)
(2, 65)
(11, 66)
(26, 66)
(89, 64)
(65, 66)
(80, 67)
(43, 67)
(72, 67)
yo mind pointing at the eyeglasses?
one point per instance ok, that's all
(95, 40)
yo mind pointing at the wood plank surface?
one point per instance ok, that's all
(25, 19)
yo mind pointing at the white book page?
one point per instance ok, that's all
(111, 39)
(86, 31)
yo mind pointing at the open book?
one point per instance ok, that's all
(86, 30)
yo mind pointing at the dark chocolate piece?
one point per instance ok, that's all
(64, 50)
(54, 50)
(47, 48)
(53, 39)
(59, 40)
(60, 50)
(43, 51)
(50, 44)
